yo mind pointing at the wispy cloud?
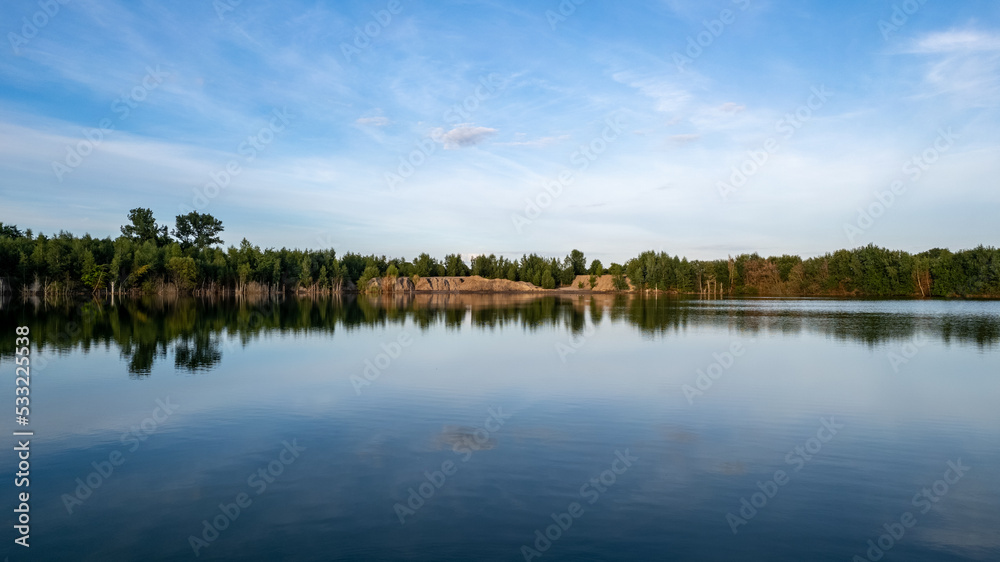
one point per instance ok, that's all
(542, 141)
(684, 139)
(956, 41)
(731, 107)
(668, 96)
(463, 135)
(378, 121)
(963, 64)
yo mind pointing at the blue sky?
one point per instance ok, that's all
(509, 127)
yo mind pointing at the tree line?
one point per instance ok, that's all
(148, 257)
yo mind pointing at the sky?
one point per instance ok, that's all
(395, 127)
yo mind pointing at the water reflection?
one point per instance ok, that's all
(282, 371)
(460, 437)
(197, 331)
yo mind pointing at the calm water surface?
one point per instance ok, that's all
(507, 428)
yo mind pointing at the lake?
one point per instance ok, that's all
(491, 427)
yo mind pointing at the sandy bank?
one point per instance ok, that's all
(477, 284)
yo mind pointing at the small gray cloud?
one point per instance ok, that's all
(680, 140)
(731, 107)
(378, 121)
(462, 135)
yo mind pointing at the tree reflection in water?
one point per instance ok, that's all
(196, 330)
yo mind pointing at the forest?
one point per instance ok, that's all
(150, 258)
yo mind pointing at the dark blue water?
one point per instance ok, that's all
(509, 429)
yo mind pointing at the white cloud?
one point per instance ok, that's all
(378, 121)
(669, 98)
(684, 139)
(731, 107)
(956, 41)
(964, 64)
(543, 141)
(462, 135)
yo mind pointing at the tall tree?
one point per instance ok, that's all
(567, 273)
(454, 266)
(596, 268)
(578, 261)
(10, 231)
(144, 227)
(198, 230)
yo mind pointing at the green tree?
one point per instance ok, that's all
(144, 227)
(370, 272)
(635, 270)
(567, 273)
(183, 271)
(243, 274)
(596, 268)
(512, 272)
(198, 230)
(578, 262)
(548, 282)
(618, 277)
(94, 276)
(424, 265)
(487, 266)
(454, 266)
(10, 231)
(305, 271)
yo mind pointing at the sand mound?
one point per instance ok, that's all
(477, 284)
(605, 284)
(471, 284)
